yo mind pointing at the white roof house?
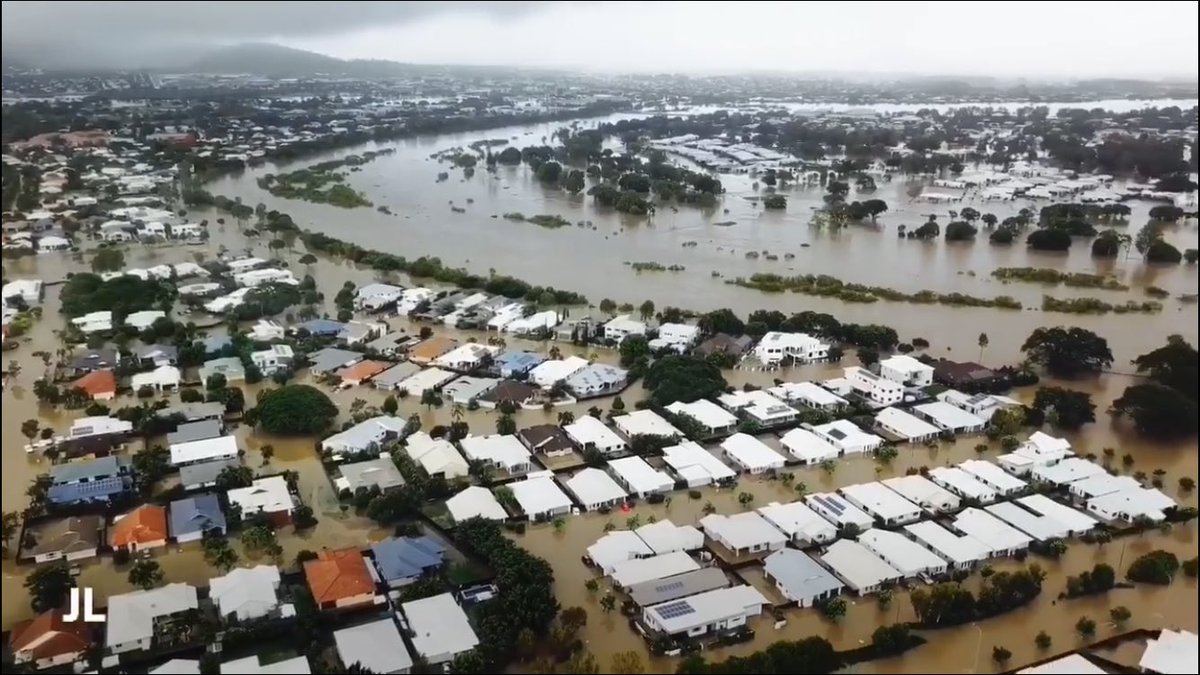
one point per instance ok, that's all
(667, 537)
(715, 419)
(246, 592)
(253, 665)
(775, 346)
(879, 390)
(808, 394)
(548, 373)
(589, 432)
(475, 502)
(837, 510)
(879, 501)
(28, 290)
(808, 447)
(800, 578)
(1074, 520)
(904, 426)
(695, 465)
(540, 498)
(1129, 505)
(847, 437)
(924, 493)
(1071, 664)
(597, 379)
(466, 356)
(620, 327)
(759, 406)
(439, 627)
(906, 370)
(131, 616)
(1171, 652)
(430, 378)
(144, 319)
(208, 449)
(1040, 527)
(1039, 450)
(376, 646)
(999, 536)
(162, 377)
(989, 474)
(436, 456)
(862, 570)
(950, 418)
(640, 478)
(751, 454)
(637, 570)
(1068, 470)
(1102, 484)
(800, 523)
(369, 435)
(718, 609)
(503, 452)
(374, 296)
(743, 533)
(645, 423)
(93, 322)
(962, 484)
(959, 550)
(595, 489)
(616, 547)
(677, 336)
(980, 405)
(264, 495)
(905, 555)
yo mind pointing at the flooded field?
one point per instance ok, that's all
(590, 260)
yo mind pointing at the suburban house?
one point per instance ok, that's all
(802, 525)
(156, 355)
(645, 423)
(750, 454)
(716, 610)
(196, 431)
(666, 537)
(595, 489)
(878, 390)
(99, 385)
(799, 578)
(1039, 450)
(465, 390)
(270, 496)
(330, 359)
(72, 538)
(403, 560)
(46, 640)
(759, 407)
(369, 436)
(696, 466)
(501, 452)
(439, 628)
(626, 573)
(712, 418)
(475, 502)
(846, 437)
(678, 337)
(390, 379)
(639, 478)
(374, 297)
(134, 619)
(1001, 538)
(466, 357)
(376, 646)
(248, 593)
(905, 427)
(380, 473)
(655, 592)
(807, 447)
(774, 348)
(809, 395)
(722, 343)
(429, 379)
(199, 476)
(960, 551)
(207, 450)
(967, 375)
(547, 439)
(589, 433)
(549, 373)
(903, 554)
(438, 457)
(906, 370)
(540, 498)
(839, 511)
(597, 379)
(229, 367)
(861, 570)
(980, 405)
(356, 333)
(274, 359)
(924, 493)
(191, 517)
(744, 533)
(162, 378)
(620, 327)
(361, 371)
(1067, 471)
(950, 418)
(518, 393)
(93, 359)
(28, 291)
(1131, 504)
(882, 503)
(516, 364)
(339, 579)
(425, 352)
(1004, 483)
(142, 528)
(961, 483)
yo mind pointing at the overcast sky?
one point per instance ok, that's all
(1038, 39)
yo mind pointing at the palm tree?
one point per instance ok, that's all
(608, 603)
(983, 343)
(565, 417)
(457, 412)
(801, 489)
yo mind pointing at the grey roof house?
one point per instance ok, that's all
(403, 560)
(800, 578)
(193, 516)
(381, 473)
(204, 474)
(331, 358)
(196, 431)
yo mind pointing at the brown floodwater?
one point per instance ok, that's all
(549, 256)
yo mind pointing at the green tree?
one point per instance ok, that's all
(1068, 351)
(1157, 410)
(48, 586)
(892, 639)
(1065, 408)
(608, 603)
(983, 344)
(145, 574)
(108, 260)
(1001, 654)
(1148, 236)
(29, 428)
(608, 306)
(294, 409)
(1120, 614)
(682, 378)
(1085, 627)
(833, 609)
(1174, 365)
(1156, 567)
(308, 259)
(390, 405)
(745, 498)
(506, 425)
(646, 310)
(1042, 640)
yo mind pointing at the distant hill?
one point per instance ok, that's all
(271, 60)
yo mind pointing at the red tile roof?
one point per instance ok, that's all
(47, 636)
(97, 382)
(143, 525)
(337, 575)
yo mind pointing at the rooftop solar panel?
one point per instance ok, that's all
(665, 588)
(675, 610)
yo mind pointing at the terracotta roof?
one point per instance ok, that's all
(97, 382)
(432, 348)
(363, 370)
(47, 636)
(143, 525)
(336, 575)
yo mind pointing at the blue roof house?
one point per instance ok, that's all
(403, 560)
(322, 327)
(97, 480)
(510, 364)
(192, 517)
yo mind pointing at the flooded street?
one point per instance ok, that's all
(590, 260)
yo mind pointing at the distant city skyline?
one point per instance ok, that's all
(1044, 40)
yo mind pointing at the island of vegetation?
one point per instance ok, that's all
(1044, 275)
(320, 183)
(826, 286)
